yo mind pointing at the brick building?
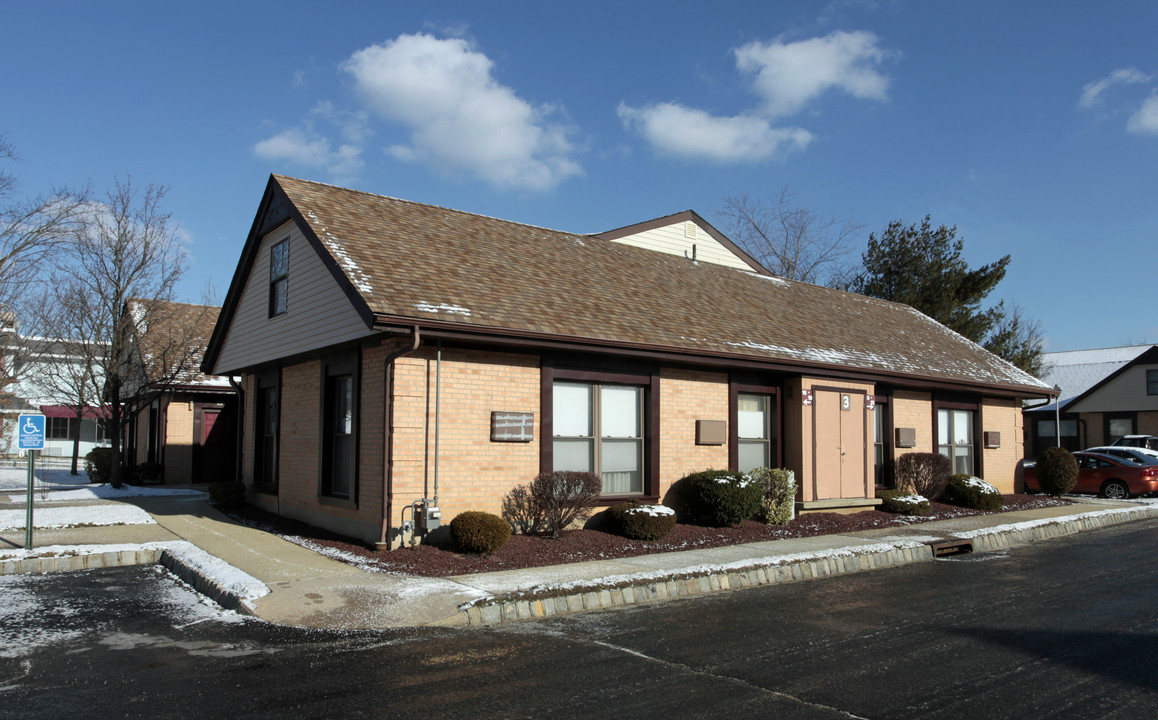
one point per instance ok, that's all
(392, 353)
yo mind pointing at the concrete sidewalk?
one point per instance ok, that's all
(308, 589)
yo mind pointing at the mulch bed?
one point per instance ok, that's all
(524, 551)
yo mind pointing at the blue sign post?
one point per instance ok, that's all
(31, 438)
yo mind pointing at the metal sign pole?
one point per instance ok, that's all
(28, 512)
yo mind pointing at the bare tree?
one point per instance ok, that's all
(32, 231)
(792, 242)
(122, 269)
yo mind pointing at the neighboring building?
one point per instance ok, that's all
(181, 419)
(1105, 394)
(49, 379)
(394, 354)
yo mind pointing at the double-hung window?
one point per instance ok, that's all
(755, 431)
(1152, 382)
(266, 423)
(278, 278)
(599, 428)
(339, 427)
(955, 438)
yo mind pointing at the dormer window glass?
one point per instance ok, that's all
(278, 278)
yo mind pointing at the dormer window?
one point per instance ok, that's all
(278, 278)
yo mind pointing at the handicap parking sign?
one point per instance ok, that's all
(31, 432)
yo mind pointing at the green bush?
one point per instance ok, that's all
(227, 494)
(901, 502)
(964, 490)
(924, 474)
(642, 522)
(778, 504)
(98, 463)
(1057, 471)
(147, 473)
(480, 532)
(723, 497)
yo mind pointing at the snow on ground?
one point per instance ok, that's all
(76, 516)
(98, 492)
(14, 478)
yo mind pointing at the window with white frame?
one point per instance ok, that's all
(599, 428)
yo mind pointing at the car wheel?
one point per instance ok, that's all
(1115, 490)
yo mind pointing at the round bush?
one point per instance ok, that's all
(900, 502)
(1057, 471)
(723, 497)
(964, 490)
(98, 463)
(480, 532)
(642, 522)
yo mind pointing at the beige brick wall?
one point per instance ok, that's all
(914, 410)
(178, 462)
(685, 397)
(474, 473)
(1000, 464)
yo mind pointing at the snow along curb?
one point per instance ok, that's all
(229, 587)
(636, 589)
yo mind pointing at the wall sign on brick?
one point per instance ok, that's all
(512, 426)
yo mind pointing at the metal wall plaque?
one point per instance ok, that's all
(512, 426)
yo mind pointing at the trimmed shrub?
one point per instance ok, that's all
(148, 473)
(901, 502)
(480, 532)
(552, 502)
(1057, 471)
(924, 474)
(98, 463)
(778, 504)
(227, 494)
(965, 490)
(642, 522)
(723, 497)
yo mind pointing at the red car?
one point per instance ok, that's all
(1110, 477)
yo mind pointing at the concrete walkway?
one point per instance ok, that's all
(308, 589)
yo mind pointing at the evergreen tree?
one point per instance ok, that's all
(923, 267)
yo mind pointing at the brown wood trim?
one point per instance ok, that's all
(734, 390)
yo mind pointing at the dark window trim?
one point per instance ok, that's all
(274, 280)
(647, 378)
(337, 364)
(265, 380)
(885, 476)
(1152, 382)
(735, 388)
(1107, 417)
(957, 403)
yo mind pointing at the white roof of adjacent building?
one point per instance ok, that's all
(1076, 371)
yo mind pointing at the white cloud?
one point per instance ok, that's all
(692, 133)
(307, 147)
(1121, 76)
(1145, 121)
(788, 76)
(459, 116)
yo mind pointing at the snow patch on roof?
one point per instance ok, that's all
(359, 278)
(442, 308)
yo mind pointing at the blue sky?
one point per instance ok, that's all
(1032, 127)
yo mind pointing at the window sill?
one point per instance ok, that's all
(338, 502)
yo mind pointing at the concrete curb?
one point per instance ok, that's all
(204, 584)
(622, 592)
(80, 561)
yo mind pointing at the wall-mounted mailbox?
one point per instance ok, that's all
(906, 437)
(512, 426)
(711, 432)
(992, 439)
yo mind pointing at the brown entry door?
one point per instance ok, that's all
(840, 451)
(213, 455)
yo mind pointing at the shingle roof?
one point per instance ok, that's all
(408, 261)
(1077, 372)
(175, 341)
